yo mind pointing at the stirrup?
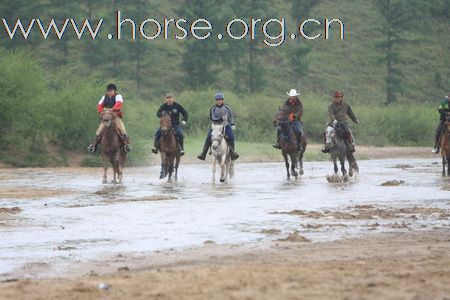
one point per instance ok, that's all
(325, 149)
(91, 148)
(276, 146)
(155, 150)
(435, 150)
(181, 152)
(127, 148)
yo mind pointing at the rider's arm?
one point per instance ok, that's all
(100, 105)
(160, 111)
(183, 113)
(230, 116)
(300, 110)
(119, 103)
(211, 114)
(331, 113)
(351, 114)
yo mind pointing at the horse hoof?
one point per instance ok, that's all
(346, 178)
(350, 173)
(222, 180)
(302, 172)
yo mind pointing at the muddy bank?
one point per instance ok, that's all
(390, 266)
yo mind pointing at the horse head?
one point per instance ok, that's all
(165, 122)
(108, 117)
(217, 134)
(330, 135)
(280, 117)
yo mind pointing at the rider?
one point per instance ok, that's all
(114, 101)
(173, 109)
(444, 109)
(221, 113)
(338, 112)
(293, 108)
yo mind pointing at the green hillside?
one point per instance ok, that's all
(49, 87)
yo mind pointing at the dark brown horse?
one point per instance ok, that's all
(445, 146)
(288, 145)
(170, 150)
(112, 147)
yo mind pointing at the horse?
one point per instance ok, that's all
(445, 146)
(221, 153)
(170, 149)
(112, 147)
(288, 145)
(335, 140)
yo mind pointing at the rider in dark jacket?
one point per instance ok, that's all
(444, 109)
(221, 113)
(173, 109)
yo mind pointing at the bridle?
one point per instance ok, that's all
(219, 138)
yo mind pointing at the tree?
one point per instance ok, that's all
(301, 9)
(397, 20)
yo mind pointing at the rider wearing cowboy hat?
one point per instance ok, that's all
(221, 113)
(338, 111)
(114, 101)
(293, 108)
(444, 109)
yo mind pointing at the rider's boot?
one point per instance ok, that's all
(126, 142)
(155, 148)
(325, 149)
(181, 142)
(233, 154)
(351, 143)
(93, 147)
(276, 145)
(206, 146)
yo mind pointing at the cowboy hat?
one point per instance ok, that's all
(293, 93)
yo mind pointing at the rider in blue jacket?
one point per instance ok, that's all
(221, 113)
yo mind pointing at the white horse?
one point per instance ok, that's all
(221, 153)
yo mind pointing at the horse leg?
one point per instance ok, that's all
(163, 173)
(170, 167)
(286, 162)
(334, 157)
(448, 164)
(294, 165)
(214, 170)
(231, 169)
(300, 162)
(222, 169)
(105, 170)
(343, 170)
(443, 165)
(177, 163)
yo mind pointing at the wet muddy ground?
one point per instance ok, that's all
(54, 219)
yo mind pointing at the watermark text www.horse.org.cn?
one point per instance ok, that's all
(272, 32)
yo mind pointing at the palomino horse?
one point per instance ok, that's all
(288, 145)
(335, 140)
(170, 150)
(445, 146)
(112, 147)
(221, 153)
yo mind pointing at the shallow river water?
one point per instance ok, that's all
(88, 219)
